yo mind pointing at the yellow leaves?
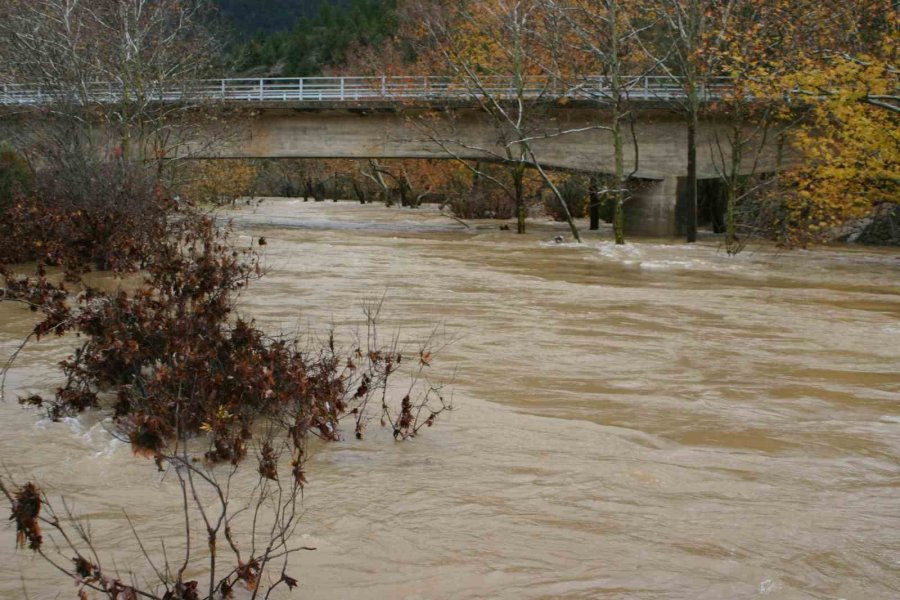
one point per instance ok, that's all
(220, 181)
(491, 37)
(223, 415)
(850, 149)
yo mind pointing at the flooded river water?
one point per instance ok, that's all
(649, 421)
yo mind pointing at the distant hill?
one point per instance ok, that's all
(269, 16)
(308, 44)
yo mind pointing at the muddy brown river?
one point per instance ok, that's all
(651, 421)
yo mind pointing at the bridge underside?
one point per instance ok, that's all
(658, 165)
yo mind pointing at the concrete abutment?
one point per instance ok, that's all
(654, 208)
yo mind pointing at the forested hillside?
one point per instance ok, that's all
(268, 16)
(321, 36)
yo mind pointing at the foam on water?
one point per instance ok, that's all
(75, 425)
(328, 225)
(669, 264)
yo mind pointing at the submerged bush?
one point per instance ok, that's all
(574, 191)
(482, 203)
(185, 379)
(109, 218)
(180, 363)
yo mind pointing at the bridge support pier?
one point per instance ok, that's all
(654, 206)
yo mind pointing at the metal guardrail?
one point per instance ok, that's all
(354, 89)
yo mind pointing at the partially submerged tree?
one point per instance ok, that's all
(493, 51)
(684, 48)
(604, 35)
(748, 120)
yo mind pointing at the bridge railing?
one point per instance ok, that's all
(355, 89)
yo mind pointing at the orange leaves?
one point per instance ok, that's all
(808, 68)
(220, 181)
(148, 434)
(83, 567)
(268, 462)
(26, 509)
(249, 573)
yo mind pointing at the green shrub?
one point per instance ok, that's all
(15, 176)
(575, 192)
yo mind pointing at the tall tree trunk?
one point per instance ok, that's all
(733, 183)
(379, 179)
(730, 225)
(618, 149)
(518, 184)
(594, 208)
(619, 193)
(358, 190)
(404, 193)
(692, 175)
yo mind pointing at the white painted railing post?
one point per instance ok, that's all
(324, 89)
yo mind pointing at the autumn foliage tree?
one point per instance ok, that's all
(850, 138)
(218, 182)
(850, 148)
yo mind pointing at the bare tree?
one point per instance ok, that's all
(603, 34)
(103, 69)
(508, 83)
(684, 49)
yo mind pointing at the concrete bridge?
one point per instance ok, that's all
(431, 117)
